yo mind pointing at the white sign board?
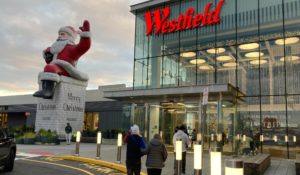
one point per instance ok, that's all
(205, 96)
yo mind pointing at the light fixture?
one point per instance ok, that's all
(199, 137)
(289, 58)
(219, 137)
(216, 51)
(224, 58)
(244, 138)
(286, 138)
(254, 54)
(261, 138)
(249, 46)
(234, 167)
(188, 54)
(119, 145)
(238, 137)
(256, 62)
(275, 138)
(212, 137)
(171, 110)
(120, 139)
(294, 139)
(197, 158)
(178, 155)
(178, 149)
(231, 64)
(78, 135)
(99, 137)
(205, 67)
(197, 61)
(287, 41)
(215, 161)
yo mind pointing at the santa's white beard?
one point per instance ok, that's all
(59, 45)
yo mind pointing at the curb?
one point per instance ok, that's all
(115, 166)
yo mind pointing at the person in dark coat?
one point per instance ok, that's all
(68, 130)
(156, 156)
(133, 154)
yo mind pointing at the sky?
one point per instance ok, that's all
(28, 27)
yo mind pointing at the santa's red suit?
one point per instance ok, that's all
(61, 59)
(64, 62)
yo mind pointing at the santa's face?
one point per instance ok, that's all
(63, 36)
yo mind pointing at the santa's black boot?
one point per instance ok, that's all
(47, 90)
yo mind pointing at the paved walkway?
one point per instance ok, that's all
(109, 153)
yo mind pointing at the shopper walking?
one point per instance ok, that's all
(181, 135)
(156, 156)
(135, 144)
(68, 130)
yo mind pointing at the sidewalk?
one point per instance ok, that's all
(109, 153)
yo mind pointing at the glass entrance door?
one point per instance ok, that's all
(178, 114)
(219, 125)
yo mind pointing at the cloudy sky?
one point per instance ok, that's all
(28, 27)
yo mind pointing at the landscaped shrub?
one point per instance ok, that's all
(29, 137)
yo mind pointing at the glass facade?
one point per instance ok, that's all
(255, 48)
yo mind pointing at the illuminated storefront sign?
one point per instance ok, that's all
(158, 22)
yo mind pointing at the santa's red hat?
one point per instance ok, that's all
(70, 31)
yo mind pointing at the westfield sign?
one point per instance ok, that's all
(159, 22)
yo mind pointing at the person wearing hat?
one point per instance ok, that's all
(135, 144)
(62, 57)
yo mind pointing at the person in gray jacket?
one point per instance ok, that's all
(156, 156)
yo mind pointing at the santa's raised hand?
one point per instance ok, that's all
(85, 26)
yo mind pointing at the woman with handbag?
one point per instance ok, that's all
(157, 155)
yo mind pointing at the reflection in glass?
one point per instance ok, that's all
(287, 41)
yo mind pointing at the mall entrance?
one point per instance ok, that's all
(160, 111)
(219, 122)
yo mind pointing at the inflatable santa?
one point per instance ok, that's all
(62, 57)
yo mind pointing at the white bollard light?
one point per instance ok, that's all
(178, 155)
(294, 139)
(99, 137)
(78, 135)
(234, 167)
(286, 138)
(120, 139)
(215, 161)
(119, 144)
(99, 141)
(197, 159)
